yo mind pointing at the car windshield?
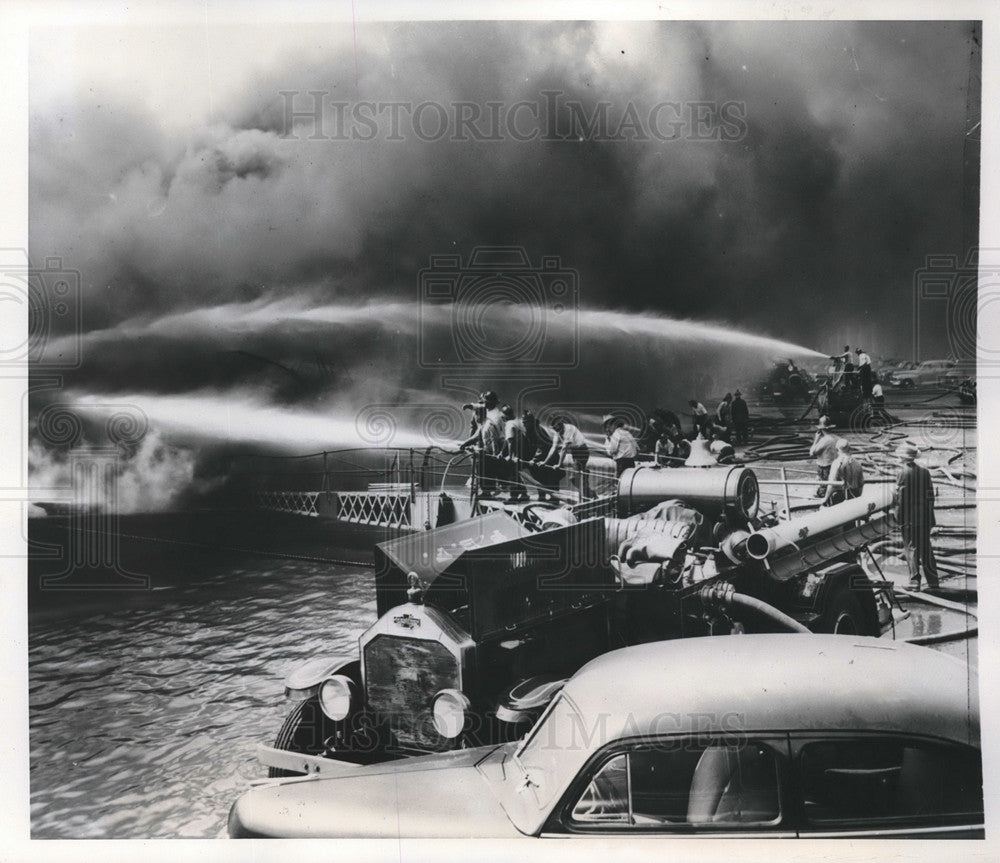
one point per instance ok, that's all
(550, 753)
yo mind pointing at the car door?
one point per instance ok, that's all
(690, 785)
(864, 785)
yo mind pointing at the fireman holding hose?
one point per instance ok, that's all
(620, 444)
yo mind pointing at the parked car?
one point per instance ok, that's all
(928, 372)
(777, 735)
(960, 372)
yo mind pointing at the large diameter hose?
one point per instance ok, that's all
(779, 617)
(725, 594)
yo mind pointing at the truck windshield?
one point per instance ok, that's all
(549, 754)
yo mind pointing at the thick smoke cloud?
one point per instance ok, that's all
(255, 279)
(153, 476)
(846, 173)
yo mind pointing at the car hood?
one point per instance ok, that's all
(428, 797)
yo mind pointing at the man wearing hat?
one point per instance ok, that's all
(915, 513)
(620, 444)
(846, 470)
(740, 415)
(824, 450)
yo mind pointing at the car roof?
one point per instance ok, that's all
(757, 683)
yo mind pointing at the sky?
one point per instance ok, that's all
(251, 214)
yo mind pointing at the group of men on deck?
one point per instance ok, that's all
(511, 447)
(508, 444)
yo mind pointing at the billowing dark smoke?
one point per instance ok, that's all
(835, 167)
(791, 183)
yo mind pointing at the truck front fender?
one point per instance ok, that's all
(304, 680)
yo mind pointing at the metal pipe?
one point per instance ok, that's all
(707, 489)
(765, 542)
(792, 561)
(788, 500)
(788, 482)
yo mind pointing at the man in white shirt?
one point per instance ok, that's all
(878, 403)
(840, 363)
(824, 450)
(847, 470)
(488, 440)
(620, 444)
(699, 413)
(570, 440)
(518, 450)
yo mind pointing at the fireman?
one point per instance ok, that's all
(621, 445)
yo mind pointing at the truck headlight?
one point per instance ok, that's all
(336, 697)
(450, 706)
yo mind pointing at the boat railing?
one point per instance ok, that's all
(402, 488)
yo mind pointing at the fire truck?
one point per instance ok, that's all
(480, 622)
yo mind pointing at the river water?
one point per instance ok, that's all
(145, 711)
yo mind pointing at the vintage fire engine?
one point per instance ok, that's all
(481, 622)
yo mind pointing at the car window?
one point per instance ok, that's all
(683, 786)
(869, 782)
(606, 799)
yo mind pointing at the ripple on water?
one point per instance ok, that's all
(144, 721)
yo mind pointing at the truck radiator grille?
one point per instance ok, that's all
(402, 676)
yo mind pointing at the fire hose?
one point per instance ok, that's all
(725, 594)
(937, 637)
